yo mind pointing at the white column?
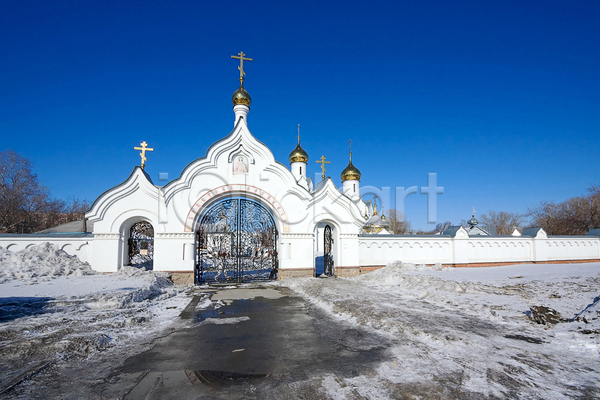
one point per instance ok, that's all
(298, 169)
(351, 188)
(241, 111)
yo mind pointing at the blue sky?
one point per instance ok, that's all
(500, 99)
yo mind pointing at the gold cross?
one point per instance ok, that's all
(298, 133)
(375, 204)
(144, 149)
(241, 67)
(350, 148)
(323, 162)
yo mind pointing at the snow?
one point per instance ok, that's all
(39, 263)
(469, 329)
(54, 307)
(224, 321)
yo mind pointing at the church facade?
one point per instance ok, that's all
(238, 214)
(238, 209)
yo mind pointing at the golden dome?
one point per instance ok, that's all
(241, 96)
(350, 173)
(298, 155)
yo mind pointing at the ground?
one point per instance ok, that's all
(406, 332)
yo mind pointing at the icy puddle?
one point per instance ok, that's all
(272, 346)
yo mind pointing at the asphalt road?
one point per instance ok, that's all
(271, 346)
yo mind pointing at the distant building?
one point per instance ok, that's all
(473, 228)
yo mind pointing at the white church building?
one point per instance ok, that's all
(237, 214)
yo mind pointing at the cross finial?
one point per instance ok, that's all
(298, 133)
(350, 148)
(473, 209)
(375, 204)
(144, 149)
(241, 57)
(323, 162)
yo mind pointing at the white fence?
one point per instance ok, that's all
(378, 250)
(79, 245)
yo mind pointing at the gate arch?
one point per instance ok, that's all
(236, 240)
(140, 245)
(328, 251)
(325, 251)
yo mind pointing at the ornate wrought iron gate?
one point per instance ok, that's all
(327, 247)
(236, 241)
(141, 245)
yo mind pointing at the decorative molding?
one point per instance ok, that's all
(241, 151)
(233, 188)
(174, 236)
(137, 180)
(106, 236)
(296, 235)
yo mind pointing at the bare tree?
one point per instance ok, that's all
(25, 205)
(503, 222)
(594, 213)
(441, 227)
(21, 195)
(75, 209)
(398, 225)
(574, 216)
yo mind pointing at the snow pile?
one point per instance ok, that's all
(53, 308)
(472, 332)
(506, 292)
(40, 262)
(154, 285)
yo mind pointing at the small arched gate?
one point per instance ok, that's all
(141, 245)
(328, 251)
(236, 240)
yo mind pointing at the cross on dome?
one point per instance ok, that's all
(241, 57)
(375, 204)
(144, 149)
(350, 173)
(298, 154)
(473, 221)
(323, 162)
(241, 96)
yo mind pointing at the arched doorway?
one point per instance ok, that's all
(236, 240)
(324, 249)
(141, 245)
(328, 251)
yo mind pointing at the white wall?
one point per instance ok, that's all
(571, 248)
(74, 245)
(296, 250)
(380, 250)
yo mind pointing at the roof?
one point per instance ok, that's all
(476, 231)
(533, 232)
(80, 226)
(451, 231)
